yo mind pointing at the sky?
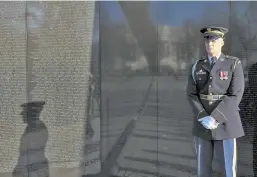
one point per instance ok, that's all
(169, 12)
(176, 12)
(173, 13)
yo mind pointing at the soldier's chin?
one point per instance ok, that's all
(210, 51)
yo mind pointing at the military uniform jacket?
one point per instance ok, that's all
(217, 90)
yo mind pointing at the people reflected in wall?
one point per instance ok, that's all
(32, 161)
(93, 110)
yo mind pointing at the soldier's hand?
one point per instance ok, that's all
(205, 125)
(209, 122)
(215, 124)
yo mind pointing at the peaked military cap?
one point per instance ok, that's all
(35, 105)
(213, 32)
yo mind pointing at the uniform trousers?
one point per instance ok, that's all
(226, 152)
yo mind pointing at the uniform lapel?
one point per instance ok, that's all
(206, 65)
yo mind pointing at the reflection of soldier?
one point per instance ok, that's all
(252, 107)
(94, 87)
(215, 88)
(94, 100)
(32, 161)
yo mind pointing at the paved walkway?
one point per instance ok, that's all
(161, 143)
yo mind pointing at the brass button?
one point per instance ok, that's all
(210, 102)
(210, 93)
(209, 85)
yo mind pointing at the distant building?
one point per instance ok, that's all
(173, 48)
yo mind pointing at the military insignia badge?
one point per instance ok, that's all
(200, 72)
(223, 75)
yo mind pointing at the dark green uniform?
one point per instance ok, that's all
(216, 90)
(210, 94)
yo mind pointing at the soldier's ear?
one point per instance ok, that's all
(222, 42)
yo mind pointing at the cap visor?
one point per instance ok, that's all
(211, 36)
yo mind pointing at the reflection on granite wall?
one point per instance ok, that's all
(146, 120)
(139, 66)
(45, 56)
(12, 80)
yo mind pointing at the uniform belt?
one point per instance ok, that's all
(211, 97)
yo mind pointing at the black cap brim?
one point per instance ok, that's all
(38, 104)
(212, 36)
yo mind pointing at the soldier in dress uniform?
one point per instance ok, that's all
(215, 89)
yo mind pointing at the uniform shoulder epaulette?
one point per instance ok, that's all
(203, 58)
(231, 57)
(236, 60)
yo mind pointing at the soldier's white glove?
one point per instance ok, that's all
(209, 122)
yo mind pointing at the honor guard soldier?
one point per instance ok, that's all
(215, 89)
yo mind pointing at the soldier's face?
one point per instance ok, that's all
(214, 46)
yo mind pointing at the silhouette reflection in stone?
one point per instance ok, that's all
(32, 161)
